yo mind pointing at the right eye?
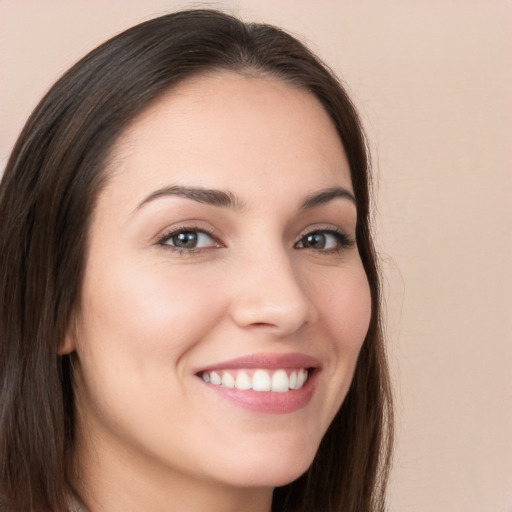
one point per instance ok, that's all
(188, 239)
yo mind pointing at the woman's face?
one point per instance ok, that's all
(222, 271)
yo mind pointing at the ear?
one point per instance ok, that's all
(66, 347)
(68, 344)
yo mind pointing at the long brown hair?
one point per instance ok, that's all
(47, 194)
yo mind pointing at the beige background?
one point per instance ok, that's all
(433, 81)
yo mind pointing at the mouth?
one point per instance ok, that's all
(281, 380)
(265, 383)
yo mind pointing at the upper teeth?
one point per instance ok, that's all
(258, 380)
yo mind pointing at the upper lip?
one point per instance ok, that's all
(270, 361)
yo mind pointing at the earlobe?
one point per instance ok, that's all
(68, 344)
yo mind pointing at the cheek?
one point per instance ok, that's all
(137, 327)
(151, 309)
(135, 331)
(346, 309)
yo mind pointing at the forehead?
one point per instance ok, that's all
(232, 131)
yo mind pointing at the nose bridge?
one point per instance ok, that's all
(269, 292)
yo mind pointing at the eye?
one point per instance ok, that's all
(324, 240)
(188, 238)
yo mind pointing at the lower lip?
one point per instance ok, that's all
(269, 402)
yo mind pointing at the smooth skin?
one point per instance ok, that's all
(174, 283)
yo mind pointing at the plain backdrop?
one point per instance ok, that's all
(433, 82)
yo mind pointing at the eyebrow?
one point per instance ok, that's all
(229, 200)
(324, 196)
(198, 194)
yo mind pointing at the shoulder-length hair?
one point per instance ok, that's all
(48, 192)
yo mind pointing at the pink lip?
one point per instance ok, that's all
(263, 401)
(265, 361)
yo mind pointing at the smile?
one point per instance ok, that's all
(264, 383)
(279, 381)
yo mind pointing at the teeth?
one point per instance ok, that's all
(243, 381)
(293, 380)
(215, 378)
(261, 381)
(227, 380)
(278, 381)
(301, 377)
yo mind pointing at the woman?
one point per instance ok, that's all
(189, 294)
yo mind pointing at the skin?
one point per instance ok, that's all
(149, 432)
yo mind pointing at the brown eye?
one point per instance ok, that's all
(316, 240)
(324, 240)
(186, 240)
(189, 239)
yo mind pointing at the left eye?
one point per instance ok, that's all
(323, 240)
(189, 239)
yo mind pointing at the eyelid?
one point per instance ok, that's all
(345, 240)
(183, 228)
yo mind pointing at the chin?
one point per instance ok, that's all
(280, 478)
(275, 470)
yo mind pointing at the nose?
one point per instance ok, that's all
(269, 294)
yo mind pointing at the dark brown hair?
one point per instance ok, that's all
(47, 194)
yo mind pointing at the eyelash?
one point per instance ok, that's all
(343, 240)
(162, 240)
